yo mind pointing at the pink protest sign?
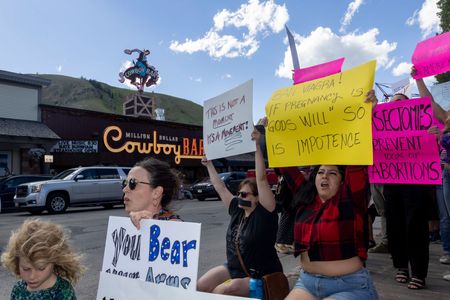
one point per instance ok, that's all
(318, 71)
(432, 56)
(403, 151)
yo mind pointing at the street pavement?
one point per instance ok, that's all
(88, 227)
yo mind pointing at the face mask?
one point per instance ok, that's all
(245, 203)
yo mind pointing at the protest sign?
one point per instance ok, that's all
(228, 122)
(318, 71)
(403, 150)
(112, 287)
(402, 87)
(122, 249)
(161, 252)
(432, 56)
(170, 252)
(324, 121)
(441, 94)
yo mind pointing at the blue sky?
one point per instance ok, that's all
(203, 48)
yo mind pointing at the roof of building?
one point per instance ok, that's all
(24, 128)
(23, 79)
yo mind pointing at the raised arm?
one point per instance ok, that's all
(438, 111)
(265, 195)
(220, 187)
(357, 183)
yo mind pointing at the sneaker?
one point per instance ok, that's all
(380, 248)
(446, 277)
(445, 259)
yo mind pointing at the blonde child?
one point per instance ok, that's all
(39, 253)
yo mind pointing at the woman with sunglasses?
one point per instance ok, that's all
(148, 191)
(252, 230)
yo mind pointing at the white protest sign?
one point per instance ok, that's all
(113, 287)
(402, 86)
(228, 122)
(170, 252)
(162, 252)
(441, 94)
(122, 249)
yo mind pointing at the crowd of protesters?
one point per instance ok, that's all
(325, 220)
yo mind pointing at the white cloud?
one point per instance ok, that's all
(59, 68)
(426, 17)
(351, 10)
(226, 76)
(402, 69)
(322, 45)
(257, 18)
(198, 79)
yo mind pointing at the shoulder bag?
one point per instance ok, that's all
(276, 285)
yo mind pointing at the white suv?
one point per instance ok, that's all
(74, 187)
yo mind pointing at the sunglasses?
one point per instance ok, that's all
(244, 194)
(132, 182)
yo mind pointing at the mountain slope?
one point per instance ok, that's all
(94, 95)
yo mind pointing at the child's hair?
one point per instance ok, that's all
(41, 241)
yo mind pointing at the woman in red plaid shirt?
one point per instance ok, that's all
(329, 231)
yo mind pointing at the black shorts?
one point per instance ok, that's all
(235, 273)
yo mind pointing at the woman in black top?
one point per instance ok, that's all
(253, 228)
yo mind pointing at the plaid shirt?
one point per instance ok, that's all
(334, 229)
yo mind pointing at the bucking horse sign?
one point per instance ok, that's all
(141, 73)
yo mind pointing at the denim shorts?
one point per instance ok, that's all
(357, 285)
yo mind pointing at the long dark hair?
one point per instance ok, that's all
(160, 174)
(307, 192)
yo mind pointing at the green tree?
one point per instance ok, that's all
(444, 15)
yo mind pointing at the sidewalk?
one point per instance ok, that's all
(382, 271)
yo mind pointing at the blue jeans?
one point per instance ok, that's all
(358, 285)
(443, 199)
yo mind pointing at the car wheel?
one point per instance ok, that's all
(57, 203)
(108, 206)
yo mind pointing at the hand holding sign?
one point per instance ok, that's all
(228, 122)
(432, 56)
(404, 152)
(324, 121)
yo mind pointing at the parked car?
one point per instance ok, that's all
(272, 178)
(74, 187)
(205, 189)
(8, 187)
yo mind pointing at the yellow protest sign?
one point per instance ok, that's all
(324, 121)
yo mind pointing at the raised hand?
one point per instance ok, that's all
(371, 98)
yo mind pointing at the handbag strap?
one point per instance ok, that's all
(238, 252)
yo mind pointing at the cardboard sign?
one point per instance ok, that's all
(403, 150)
(228, 122)
(441, 94)
(402, 86)
(112, 287)
(432, 56)
(162, 252)
(324, 121)
(170, 252)
(318, 71)
(122, 254)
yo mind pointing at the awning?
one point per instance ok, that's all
(26, 129)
